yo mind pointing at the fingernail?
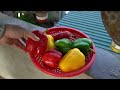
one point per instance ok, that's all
(37, 38)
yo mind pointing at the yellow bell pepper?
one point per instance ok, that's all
(73, 60)
(50, 43)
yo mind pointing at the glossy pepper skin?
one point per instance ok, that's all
(63, 50)
(30, 45)
(60, 35)
(83, 47)
(63, 45)
(51, 58)
(50, 42)
(84, 40)
(73, 60)
(37, 48)
(54, 51)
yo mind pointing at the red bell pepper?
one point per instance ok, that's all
(30, 45)
(54, 51)
(60, 35)
(37, 48)
(51, 58)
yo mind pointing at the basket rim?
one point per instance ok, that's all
(74, 73)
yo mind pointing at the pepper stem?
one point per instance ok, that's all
(92, 50)
(45, 30)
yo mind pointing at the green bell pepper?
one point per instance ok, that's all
(63, 45)
(83, 44)
(84, 40)
(63, 50)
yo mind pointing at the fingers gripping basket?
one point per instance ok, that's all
(57, 72)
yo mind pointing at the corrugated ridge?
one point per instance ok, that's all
(90, 23)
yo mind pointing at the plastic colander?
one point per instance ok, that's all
(57, 72)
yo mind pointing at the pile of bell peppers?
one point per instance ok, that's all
(57, 51)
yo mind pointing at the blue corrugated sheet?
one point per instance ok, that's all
(90, 23)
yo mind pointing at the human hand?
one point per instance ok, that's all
(13, 33)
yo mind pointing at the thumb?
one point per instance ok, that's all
(32, 36)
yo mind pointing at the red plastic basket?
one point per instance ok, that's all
(57, 72)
